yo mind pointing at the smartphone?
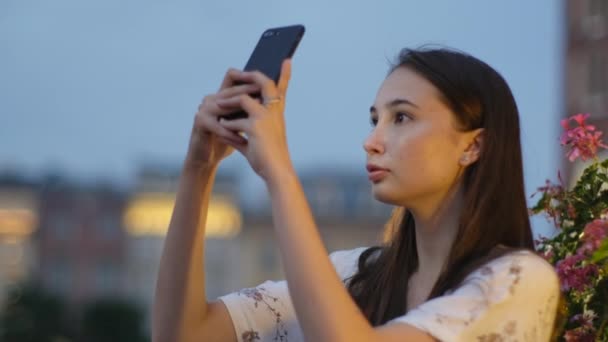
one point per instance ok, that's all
(275, 45)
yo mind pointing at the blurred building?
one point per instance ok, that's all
(345, 212)
(586, 66)
(95, 240)
(146, 219)
(18, 221)
(240, 245)
(81, 243)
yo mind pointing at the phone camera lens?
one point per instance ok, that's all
(268, 34)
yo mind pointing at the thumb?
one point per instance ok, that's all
(241, 147)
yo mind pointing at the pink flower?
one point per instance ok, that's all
(585, 331)
(573, 275)
(593, 235)
(579, 335)
(571, 211)
(582, 139)
(541, 241)
(554, 195)
(552, 190)
(580, 118)
(548, 255)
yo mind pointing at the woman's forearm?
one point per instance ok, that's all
(324, 308)
(180, 301)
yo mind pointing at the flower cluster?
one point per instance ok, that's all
(583, 139)
(579, 250)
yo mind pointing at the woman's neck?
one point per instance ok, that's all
(436, 229)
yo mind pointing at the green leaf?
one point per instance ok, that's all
(601, 253)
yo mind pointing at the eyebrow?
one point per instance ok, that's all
(394, 103)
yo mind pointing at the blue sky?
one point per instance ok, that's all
(96, 87)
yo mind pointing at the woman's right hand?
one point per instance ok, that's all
(207, 147)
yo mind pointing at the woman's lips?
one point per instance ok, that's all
(376, 173)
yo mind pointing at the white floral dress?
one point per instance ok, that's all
(511, 298)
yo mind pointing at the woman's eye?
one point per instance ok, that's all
(399, 117)
(373, 122)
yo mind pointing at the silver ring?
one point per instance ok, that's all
(276, 99)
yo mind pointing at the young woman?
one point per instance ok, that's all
(460, 265)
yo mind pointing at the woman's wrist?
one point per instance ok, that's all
(280, 177)
(199, 169)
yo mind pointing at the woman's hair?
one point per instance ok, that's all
(494, 212)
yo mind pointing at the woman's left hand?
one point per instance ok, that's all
(266, 145)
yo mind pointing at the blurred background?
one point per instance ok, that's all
(97, 100)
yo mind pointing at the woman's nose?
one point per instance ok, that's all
(374, 144)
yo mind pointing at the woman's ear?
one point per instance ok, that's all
(474, 142)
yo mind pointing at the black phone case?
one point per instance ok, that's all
(275, 45)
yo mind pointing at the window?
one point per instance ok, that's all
(109, 226)
(595, 22)
(61, 227)
(267, 256)
(597, 84)
(60, 275)
(106, 277)
(327, 199)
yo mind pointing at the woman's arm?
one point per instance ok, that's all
(180, 306)
(181, 312)
(324, 307)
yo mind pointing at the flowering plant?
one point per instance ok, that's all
(579, 250)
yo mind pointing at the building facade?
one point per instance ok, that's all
(146, 219)
(586, 67)
(80, 242)
(18, 223)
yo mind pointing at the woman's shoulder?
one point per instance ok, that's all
(511, 297)
(346, 261)
(514, 271)
(516, 262)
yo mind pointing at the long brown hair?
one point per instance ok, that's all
(494, 212)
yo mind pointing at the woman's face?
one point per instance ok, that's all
(415, 139)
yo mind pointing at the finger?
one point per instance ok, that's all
(237, 90)
(229, 103)
(285, 77)
(252, 106)
(214, 127)
(210, 107)
(233, 142)
(241, 147)
(238, 125)
(268, 87)
(230, 78)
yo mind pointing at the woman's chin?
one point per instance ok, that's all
(382, 195)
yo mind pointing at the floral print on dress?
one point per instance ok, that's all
(515, 271)
(509, 331)
(511, 298)
(508, 334)
(493, 337)
(250, 336)
(264, 300)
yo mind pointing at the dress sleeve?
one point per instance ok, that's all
(266, 313)
(512, 298)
